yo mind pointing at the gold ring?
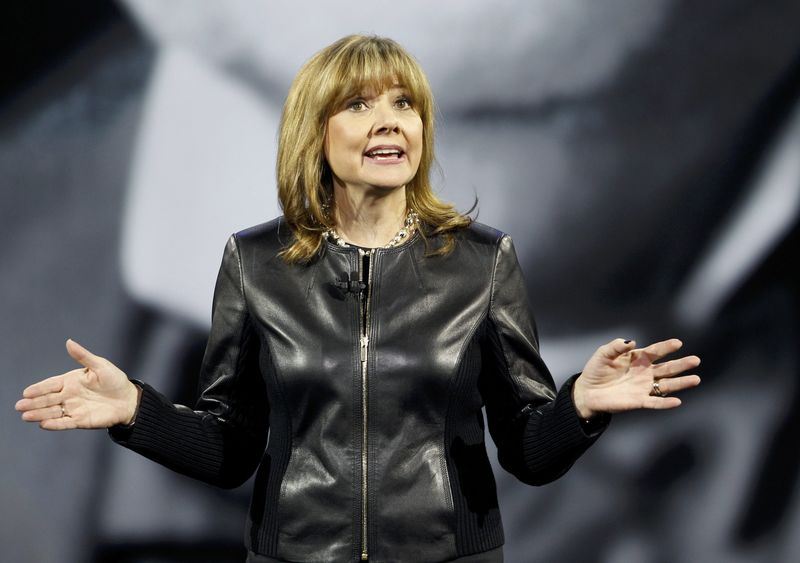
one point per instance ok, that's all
(657, 390)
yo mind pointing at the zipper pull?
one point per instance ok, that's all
(364, 344)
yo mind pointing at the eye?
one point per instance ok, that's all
(357, 105)
(402, 103)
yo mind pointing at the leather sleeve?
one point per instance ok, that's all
(537, 431)
(220, 442)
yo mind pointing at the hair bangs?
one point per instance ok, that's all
(374, 67)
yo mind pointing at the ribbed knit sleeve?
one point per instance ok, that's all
(554, 436)
(537, 431)
(222, 440)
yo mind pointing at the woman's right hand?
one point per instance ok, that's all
(99, 395)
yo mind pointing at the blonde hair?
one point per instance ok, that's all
(346, 68)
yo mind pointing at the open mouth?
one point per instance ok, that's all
(385, 154)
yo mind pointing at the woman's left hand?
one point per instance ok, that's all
(620, 377)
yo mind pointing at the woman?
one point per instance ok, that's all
(363, 331)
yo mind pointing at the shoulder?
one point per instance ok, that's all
(260, 243)
(270, 236)
(479, 236)
(477, 249)
(482, 233)
(490, 246)
(263, 232)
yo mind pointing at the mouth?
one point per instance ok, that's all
(386, 154)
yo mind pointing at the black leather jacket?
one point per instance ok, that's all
(369, 373)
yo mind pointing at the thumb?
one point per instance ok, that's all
(82, 355)
(617, 347)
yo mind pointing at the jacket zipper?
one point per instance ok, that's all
(365, 259)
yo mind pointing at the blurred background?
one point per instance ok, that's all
(645, 156)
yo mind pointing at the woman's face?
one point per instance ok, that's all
(374, 140)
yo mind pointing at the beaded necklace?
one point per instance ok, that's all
(408, 228)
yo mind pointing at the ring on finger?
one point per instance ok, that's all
(657, 391)
(63, 411)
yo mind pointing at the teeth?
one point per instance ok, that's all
(384, 152)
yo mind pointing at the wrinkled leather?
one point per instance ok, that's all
(448, 335)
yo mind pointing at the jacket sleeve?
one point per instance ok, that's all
(537, 430)
(222, 440)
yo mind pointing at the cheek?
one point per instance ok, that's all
(335, 136)
(415, 126)
(417, 139)
(343, 143)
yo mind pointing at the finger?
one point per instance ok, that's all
(43, 414)
(50, 385)
(662, 403)
(670, 385)
(40, 402)
(63, 423)
(616, 348)
(663, 348)
(83, 356)
(674, 367)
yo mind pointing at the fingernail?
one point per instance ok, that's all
(627, 342)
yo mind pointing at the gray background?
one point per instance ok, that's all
(643, 155)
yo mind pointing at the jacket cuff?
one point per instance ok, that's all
(146, 420)
(559, 430)
(592, 427)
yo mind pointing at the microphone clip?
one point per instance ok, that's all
(351, 284)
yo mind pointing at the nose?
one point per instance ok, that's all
(385, 119)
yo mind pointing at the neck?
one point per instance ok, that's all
(369, 218)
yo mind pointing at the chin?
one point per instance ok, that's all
(388, 185)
